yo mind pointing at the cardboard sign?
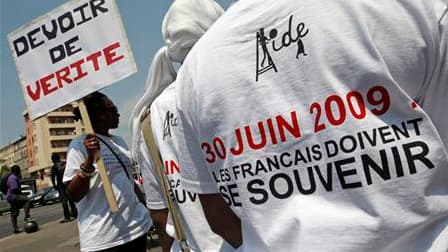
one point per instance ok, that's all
(71, 51)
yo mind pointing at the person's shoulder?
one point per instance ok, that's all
(57, 165)
(117, 137)
(169, 91)
(119, 140)
(167, 96)
(440, 8)
(77, 141)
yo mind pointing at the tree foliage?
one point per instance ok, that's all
(4, 170)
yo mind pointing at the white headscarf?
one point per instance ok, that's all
(184, 23)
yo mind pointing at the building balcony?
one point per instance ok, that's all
(35, 169)
(58, 149)
(62, 137)
(61, 113)
(61, 125)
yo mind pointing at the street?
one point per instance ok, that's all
(51, 236)
(41, 215)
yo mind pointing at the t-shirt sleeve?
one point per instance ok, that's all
(76, 154)
(443, 48)
(155, 198)
(195, 175)
(443, 31)
(120, 141)
(443, 78)
(435, 101)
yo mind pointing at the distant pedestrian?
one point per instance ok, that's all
(16, 199)
(57, 173)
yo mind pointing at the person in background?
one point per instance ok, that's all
(320, 125)
(57, 173)
(184, 23)
(16, 199)
(99, 228)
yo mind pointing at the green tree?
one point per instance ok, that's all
(4, 170)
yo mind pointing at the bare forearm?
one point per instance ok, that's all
(160, 217)
(222, 220)
(78, 187)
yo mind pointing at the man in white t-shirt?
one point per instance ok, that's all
(321, 125)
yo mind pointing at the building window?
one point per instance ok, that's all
(59, 119)
(62, 132)
(60, 143)
(66, 108)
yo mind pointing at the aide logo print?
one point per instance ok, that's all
(170, 121)
(268, 44)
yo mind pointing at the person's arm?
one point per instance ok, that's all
(222, 220)
(160, 217)
(79, 186)
(195, 173)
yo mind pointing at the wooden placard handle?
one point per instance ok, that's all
(100, 163)
(157, 161)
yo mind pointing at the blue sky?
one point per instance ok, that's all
(142, 20)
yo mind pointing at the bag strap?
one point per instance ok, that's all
(157, 160)
(116, 156)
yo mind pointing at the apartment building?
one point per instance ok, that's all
(15, 153)
(47, 135)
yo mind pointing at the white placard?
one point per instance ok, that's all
(74, 50)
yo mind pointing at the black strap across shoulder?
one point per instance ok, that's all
(116, 156)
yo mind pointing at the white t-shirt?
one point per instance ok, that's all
(302, 114)
(164, 126)
(99, 228)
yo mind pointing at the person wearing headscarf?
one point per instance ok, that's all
(184, 23)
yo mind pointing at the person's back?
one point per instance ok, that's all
(14, 186)
(309, 116)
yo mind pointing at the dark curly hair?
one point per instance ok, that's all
(93, 103)
(15, 169)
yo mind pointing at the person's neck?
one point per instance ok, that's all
(104, 132)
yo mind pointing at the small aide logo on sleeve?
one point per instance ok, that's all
(170, 121)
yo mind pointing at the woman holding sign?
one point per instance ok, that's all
(99, 228)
